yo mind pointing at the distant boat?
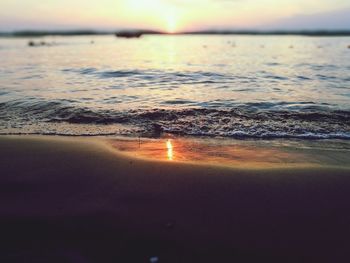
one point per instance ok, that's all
(129, 34)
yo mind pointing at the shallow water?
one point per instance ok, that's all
(230, 86)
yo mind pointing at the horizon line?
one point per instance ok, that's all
(77, 32)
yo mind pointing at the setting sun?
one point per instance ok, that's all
(161, 15)
(171, 24)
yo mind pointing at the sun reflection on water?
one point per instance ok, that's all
(169, 146)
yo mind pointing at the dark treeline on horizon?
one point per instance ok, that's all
(273, 32)
(41, 33)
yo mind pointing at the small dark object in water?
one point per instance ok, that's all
(291, 46)
(348, 46)
(38, 44)
(129, 34)
(92, 42)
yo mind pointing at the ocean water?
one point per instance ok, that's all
(227, 86)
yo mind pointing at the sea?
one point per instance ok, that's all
(230, 86)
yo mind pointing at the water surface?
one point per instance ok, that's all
(230, 86)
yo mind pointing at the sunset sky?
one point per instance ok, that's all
(174, 15)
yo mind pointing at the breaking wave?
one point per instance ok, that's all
(251, 120)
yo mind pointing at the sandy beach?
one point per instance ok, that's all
(82, 200)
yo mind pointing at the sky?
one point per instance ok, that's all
(173, 15)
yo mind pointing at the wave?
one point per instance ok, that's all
(250, 120)
(160, 76)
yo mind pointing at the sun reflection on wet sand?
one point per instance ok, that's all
(169, 147)
(230, 153)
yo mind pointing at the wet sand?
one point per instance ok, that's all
(80, 200)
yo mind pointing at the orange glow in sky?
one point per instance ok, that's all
(165, 15)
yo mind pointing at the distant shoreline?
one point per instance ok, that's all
(316, 33)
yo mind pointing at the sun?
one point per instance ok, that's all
(171, 21)
(159, 14)
(171, 24)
